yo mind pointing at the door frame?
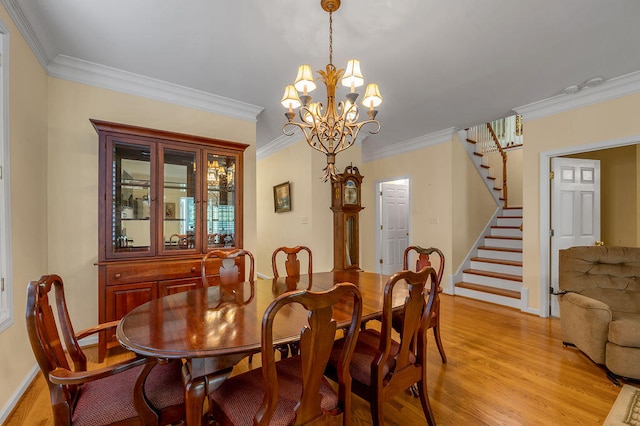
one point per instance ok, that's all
(545, 207)
(377, 187)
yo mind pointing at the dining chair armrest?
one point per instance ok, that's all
(96, 329)
(63, 376)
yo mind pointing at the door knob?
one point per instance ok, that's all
(599, 243)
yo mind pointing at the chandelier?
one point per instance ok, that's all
(330, 128)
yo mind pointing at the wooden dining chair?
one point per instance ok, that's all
(227, 272)
(135, 391)
(292, 263)
(424, 258)
(381, 366)
(292, 268)
(294, 390)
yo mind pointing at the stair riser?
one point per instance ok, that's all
(515, 221)
(506, 232)
(496, 267)
(491, 281)
(488, 297)
(498, 242)
(501, 255)
(512, 212)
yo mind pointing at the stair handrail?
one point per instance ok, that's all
(503, 154)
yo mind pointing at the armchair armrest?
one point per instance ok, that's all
(585, 302)
(62, 376)
(96, 329)
(585, 323)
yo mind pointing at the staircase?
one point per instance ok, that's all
(495, 271)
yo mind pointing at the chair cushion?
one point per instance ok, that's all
(624, 329)
(366, 349)
(110, 400)
(240, 396)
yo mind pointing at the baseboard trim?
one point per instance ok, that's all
(17, 395)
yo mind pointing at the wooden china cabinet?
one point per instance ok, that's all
(346, 207)
(165, 199)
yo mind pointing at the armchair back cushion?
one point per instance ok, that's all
(608, 274)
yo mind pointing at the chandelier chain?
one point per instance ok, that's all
(331, 37)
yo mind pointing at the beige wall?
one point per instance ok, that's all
(310, 198)
(472, 205)
(514, 177)
(618, 194)
(28, 174)
(593, 124)
(436, 173)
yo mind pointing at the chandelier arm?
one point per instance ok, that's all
(309, 134)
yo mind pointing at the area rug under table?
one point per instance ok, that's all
(626, 409)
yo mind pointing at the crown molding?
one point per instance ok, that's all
(434, 138)
(279, 143)
(24, 15)
(93, 74)
(610, 89)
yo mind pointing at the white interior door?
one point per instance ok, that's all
(394, 224)
(575, 210)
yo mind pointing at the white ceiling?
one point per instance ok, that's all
(439, 64)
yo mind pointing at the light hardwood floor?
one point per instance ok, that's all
(504, 368)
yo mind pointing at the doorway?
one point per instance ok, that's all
(393, 220)
(545, 208)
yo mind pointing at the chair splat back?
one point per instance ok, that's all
(415, 315)
(228, 271)
(292, 264)
(43, 333)
(294, 390)
(424, 259)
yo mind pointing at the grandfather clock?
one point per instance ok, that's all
(345, 204)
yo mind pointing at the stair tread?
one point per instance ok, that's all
(497, 261)
(499, 275)
(471, 141)
(513, 208)
(491, 290)
(505, 227)
(509, 217)
(485, 166)
(477, 154)
(510, 250)
(503, 238)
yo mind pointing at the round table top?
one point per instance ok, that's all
(227, 319)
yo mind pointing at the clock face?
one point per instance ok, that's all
(350, 192)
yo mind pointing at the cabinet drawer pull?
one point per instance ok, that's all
(117, 276)
(193, 269)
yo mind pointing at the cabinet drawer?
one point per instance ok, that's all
(151, 271)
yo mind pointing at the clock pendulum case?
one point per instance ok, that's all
(346, 206)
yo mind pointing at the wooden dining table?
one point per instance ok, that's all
(213, 328)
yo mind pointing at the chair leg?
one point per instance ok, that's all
(436, 334)
(294, 348)
(424, 400)
(284, 351)
(377, 414)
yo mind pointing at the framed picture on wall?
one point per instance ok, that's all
(282, 197)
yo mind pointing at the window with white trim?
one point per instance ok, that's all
(6, 300)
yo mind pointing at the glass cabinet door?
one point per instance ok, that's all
(221, 200)
(179, 188)
(130, 201)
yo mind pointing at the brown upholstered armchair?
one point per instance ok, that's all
(600, 305)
